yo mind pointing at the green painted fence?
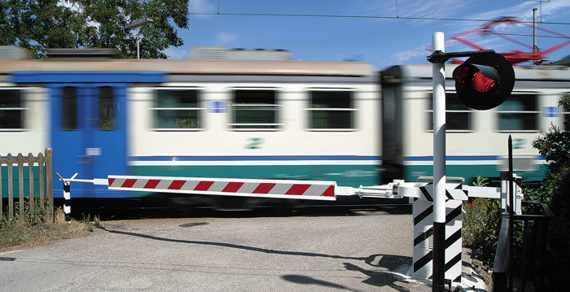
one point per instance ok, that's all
(29, 180)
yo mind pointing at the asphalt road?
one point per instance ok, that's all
(361, 251)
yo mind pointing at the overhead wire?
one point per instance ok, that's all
(357, 16)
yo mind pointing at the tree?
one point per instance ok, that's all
(555, 190)
(41, 24)
(555, 145)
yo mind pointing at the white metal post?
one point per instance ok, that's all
(138, 48)
(439, 178)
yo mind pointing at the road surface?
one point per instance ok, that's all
(359, 251)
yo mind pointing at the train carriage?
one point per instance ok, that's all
(476, 140)
(202, 118)
(273, 119)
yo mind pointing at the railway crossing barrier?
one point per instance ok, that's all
(421, 194)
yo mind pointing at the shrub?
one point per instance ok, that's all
(481, 223)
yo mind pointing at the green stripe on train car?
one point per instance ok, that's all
(346, 175)
(469, 172)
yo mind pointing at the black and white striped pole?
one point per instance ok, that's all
(423, 255)
(482, 82)
(439, 180)
(67, 194)
(67, 201)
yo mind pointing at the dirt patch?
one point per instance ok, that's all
(19, 234)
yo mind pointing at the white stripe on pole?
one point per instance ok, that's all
(455, 247)
(422, 246)
(439, 131)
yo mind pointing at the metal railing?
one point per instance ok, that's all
(520, 256)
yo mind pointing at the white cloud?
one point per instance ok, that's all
(411, 54)
(225, 38)
(551, 11)
(553, 8)
(176, 53)
(414, 8)
(434, 8)
(419, 53)
(201, 6)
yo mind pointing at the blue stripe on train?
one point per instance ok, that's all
(310, 157)
(254, 158)
(103, 77)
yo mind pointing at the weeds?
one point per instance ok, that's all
(32, 228)
(481, 225)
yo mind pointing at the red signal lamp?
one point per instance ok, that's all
(484, 81)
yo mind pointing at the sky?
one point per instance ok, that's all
(379, 42)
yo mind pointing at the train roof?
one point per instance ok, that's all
(189, 67)
(424, 71)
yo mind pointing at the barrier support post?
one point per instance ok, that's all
(67, 201)
(439, 179)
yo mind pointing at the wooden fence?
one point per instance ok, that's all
(30, 177)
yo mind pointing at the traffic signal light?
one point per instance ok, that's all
(484, 81)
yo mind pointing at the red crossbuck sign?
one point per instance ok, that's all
(282, 189)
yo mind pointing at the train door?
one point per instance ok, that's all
(88, 133)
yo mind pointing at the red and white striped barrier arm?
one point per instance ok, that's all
(281, 189)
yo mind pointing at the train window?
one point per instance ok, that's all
(331, 110)
(255, 109)
(106, 120)
(69, 108)
(177, 109)
(519, 112)
(11, 109)
(457, 115)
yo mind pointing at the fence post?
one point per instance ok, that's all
(49, 184)
(21, 206)
(10, 186)
(41, 180)
(31, 194)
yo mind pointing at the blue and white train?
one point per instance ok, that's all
(341, 121)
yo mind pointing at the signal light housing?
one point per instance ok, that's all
(484, 81)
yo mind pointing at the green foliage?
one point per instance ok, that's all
(560, 223)
(41, 24)
(555, 147)
(564, 102)
(15, 230)
(480, 181)
(481, 224)
(31, 216)
(542, 193)
(31, 228)
(555, 191)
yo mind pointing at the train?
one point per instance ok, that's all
(340, 121)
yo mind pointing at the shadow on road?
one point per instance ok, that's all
(387, 270)
(379, 278)
(232, 245)
(306, 280)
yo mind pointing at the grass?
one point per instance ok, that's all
(29, 231)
